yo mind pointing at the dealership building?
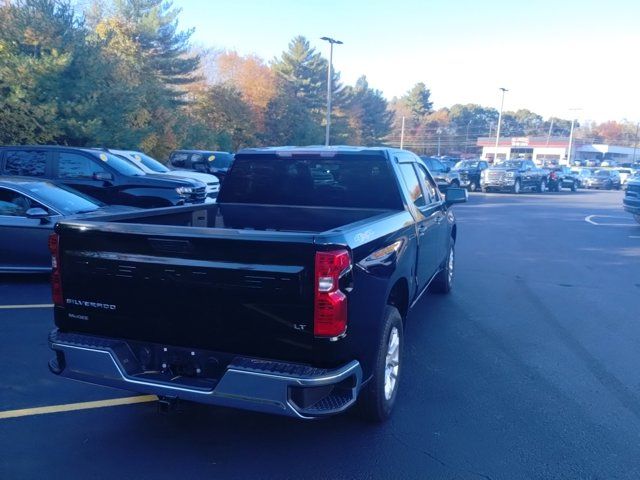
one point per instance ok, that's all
(552, 149)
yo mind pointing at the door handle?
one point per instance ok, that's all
(422, 229)
(439, 219)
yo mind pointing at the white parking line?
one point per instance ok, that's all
(35, 305)
(590, 219)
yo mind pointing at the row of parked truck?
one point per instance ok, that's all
(518, 175)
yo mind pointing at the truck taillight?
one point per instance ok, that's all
(330, 310)
(56, 280)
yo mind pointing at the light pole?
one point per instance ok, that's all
(466, 138)
(495, 155)
(329, 79)
(439, 132)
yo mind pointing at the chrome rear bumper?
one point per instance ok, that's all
(266, 386)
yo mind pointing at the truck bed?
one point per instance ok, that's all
(230, 278)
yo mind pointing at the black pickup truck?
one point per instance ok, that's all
(288, 296)
(514, 176)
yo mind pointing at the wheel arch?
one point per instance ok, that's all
(399, 297)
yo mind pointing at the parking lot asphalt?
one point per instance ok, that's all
(528, 370)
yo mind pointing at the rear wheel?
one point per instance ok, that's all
(378, 397)
(443, 283)
(473, 186)
(574, 186)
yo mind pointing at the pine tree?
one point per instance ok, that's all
(368, 114)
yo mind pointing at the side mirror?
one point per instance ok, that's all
(455, 195)
(103, 176)
(37, 213)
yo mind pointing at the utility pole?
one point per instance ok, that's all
(439, 131)
(550, 130)
(402, 134)
(329, 80)
(570, 142)
(495, 155)
(573, 121)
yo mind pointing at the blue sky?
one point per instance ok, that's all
(552, 56)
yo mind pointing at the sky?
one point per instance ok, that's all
(565, 58)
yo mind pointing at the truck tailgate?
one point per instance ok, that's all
(228, 293)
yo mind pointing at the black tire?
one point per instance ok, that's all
(543, 186)
(558, 186)
(517, 187)
(374, 404)
(574, 187)
(443, 283)
(473, 186)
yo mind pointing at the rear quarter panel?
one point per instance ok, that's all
(372, 286)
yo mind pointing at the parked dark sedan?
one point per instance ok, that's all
(100, 175)
(28, 211)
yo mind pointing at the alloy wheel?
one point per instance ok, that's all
(392, 364)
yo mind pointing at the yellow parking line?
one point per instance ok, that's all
(35, 305)
(25, 412)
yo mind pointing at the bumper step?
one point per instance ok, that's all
(262, 385)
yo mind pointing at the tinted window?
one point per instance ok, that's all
(471, 165)
(430, 188)
(65, 200)
(150, 163)
(341, 181)
(179, 159)
(512, 164)
(26, 162)
(412, 184)
(14, 204)
(120, 165)
(220, 160)
(75, 165)
(436, 165)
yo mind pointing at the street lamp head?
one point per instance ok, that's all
(503, 89)
(331, 40)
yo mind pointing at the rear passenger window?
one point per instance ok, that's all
(413, 185)
(29, 163)
(14, 204)
(73, 165)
